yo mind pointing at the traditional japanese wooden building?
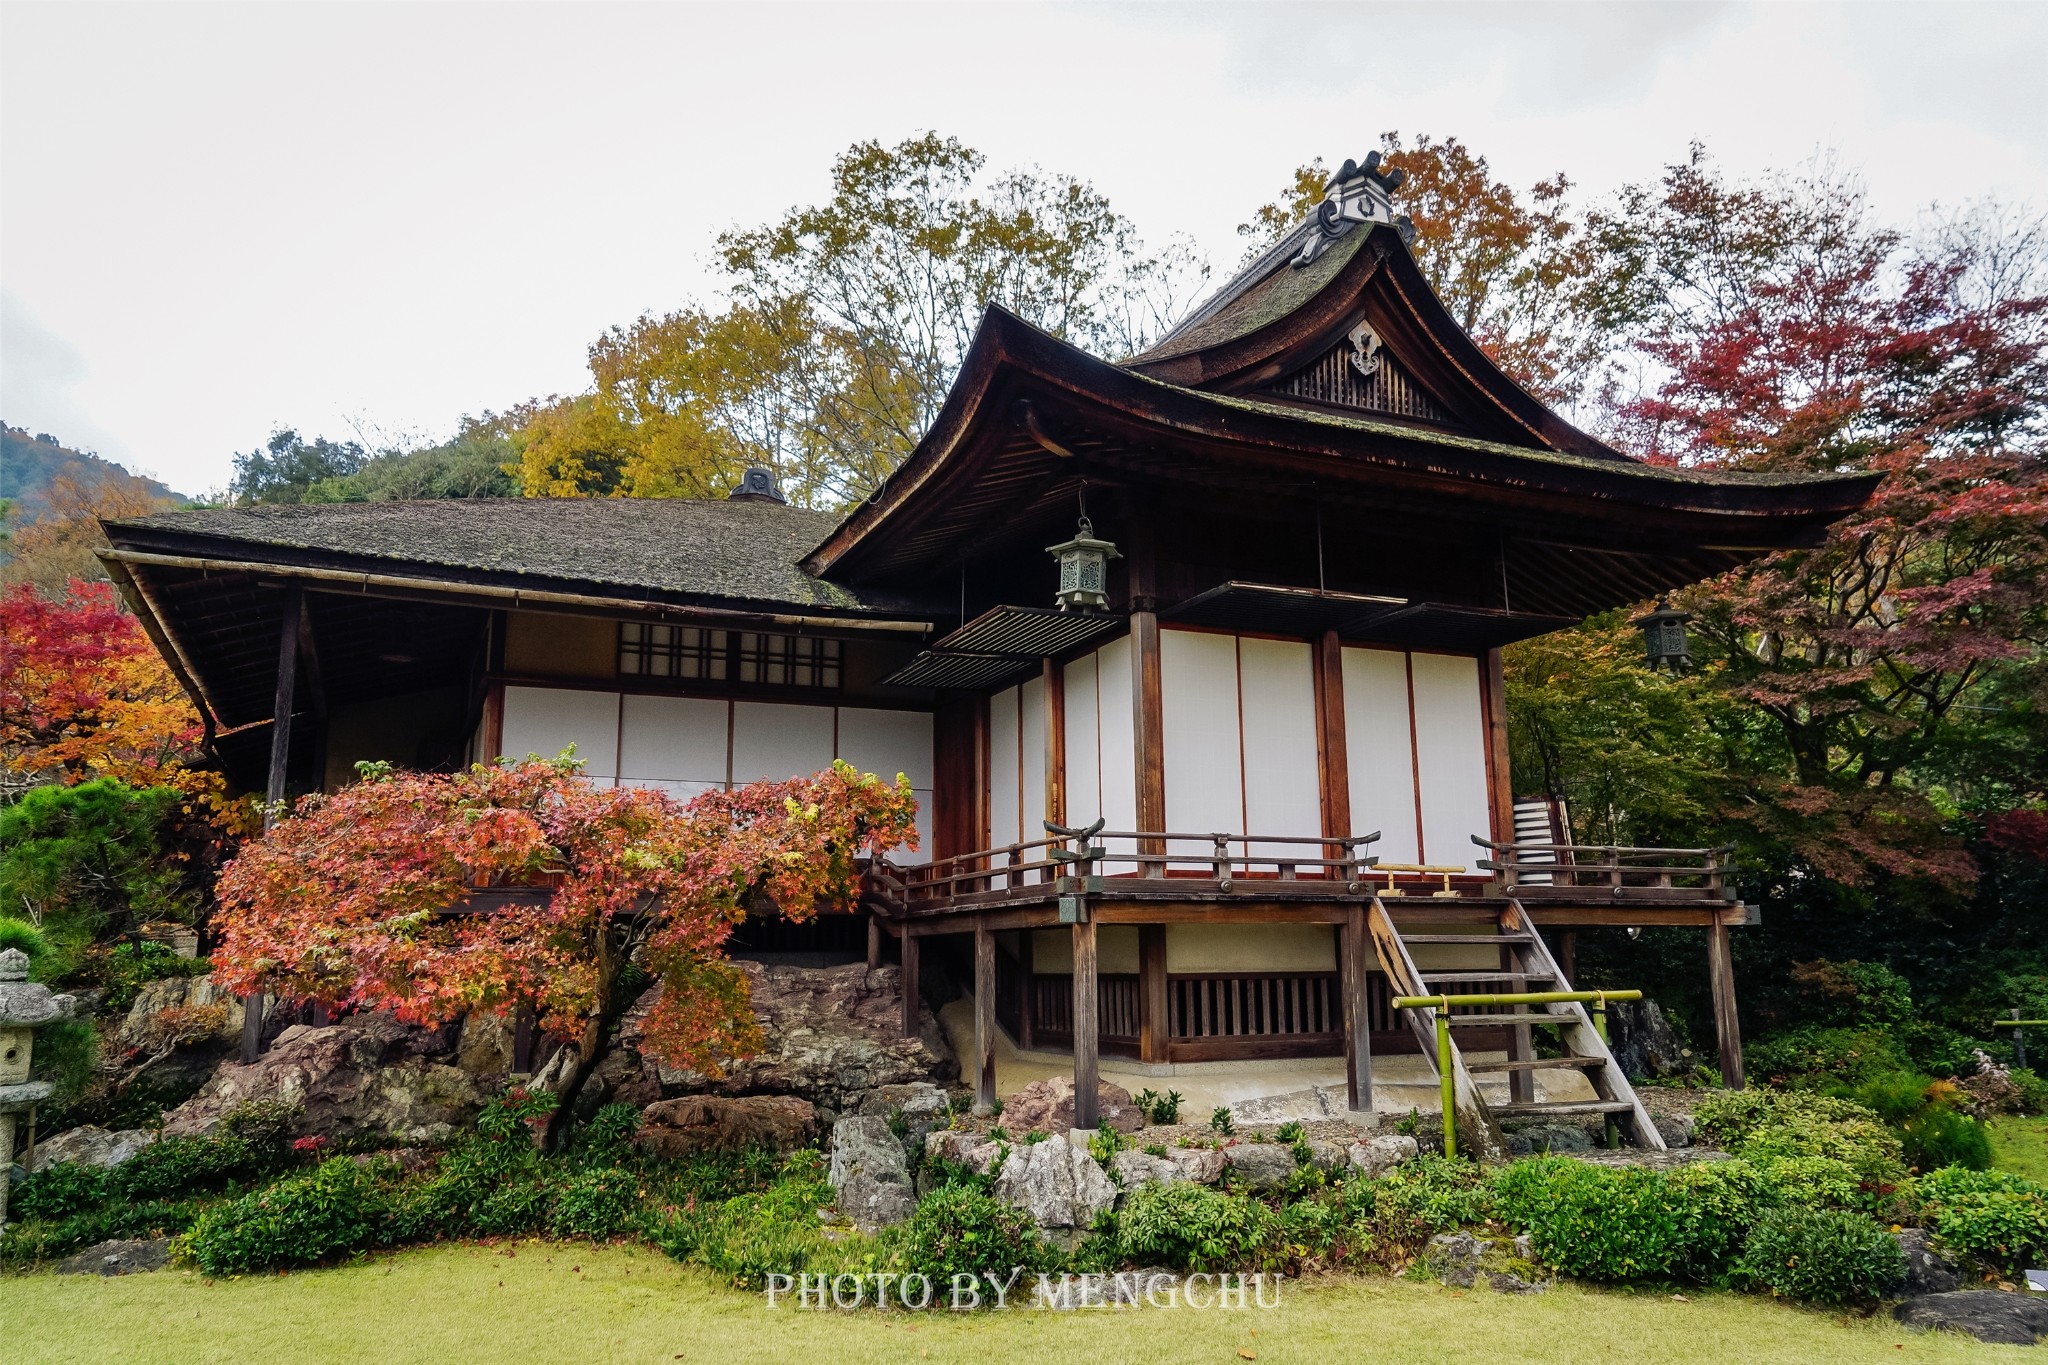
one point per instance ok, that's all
(1214, 778)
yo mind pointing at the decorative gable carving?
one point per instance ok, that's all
(1360, 374)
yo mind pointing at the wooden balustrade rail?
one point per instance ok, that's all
(1535, 870)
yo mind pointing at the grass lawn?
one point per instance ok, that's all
(2021, 1146)
(556, 1302)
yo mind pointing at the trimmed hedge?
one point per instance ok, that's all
(1821, 1256)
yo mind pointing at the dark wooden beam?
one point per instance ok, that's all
(1354, 967)
(1500, 786)
(1086, 1071)
(909, 985)
(984, 1020)
(1148, 728)
(1727, 1027)
(1152, 1010)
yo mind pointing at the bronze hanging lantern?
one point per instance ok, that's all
(1084, 570)
(1664, 643)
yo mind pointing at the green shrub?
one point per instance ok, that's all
(1764, 1126)
(1628, 1223)
(1815, 1056)
(959, 1230)
(1992, 1217)
(32, 1241)
(598, 1203)
(1417, 1199)
(1322, 1226)
(306, 1219)
(1937, 1048)
(2032, 1091)
(1894, 1096)
(1819, 1182)
(774, 1231)
(184, 1165)
(606, 1138)
(1720, 1200)
(1939, 1136)
(23, 937)
(1193, 1227)
(1162, 1110)
(58, 1192)
(1821, 1256)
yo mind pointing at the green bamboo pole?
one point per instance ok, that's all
(1416, 1002)
(1445, 1079)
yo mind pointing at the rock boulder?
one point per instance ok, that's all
(119, 1258)
(1986, 1314)
(1643, 1041)
(829, 1034)
(1048, 1107)
(1133, 1169)
(716, 1123)
(90, 1146)
(191, 1007)
(368, 1076)
(920, 1107)
(1203, 1165)
(1379, 1154)
(1927, 1270)
(1058, 1184)
(869, 1173)
(1261, 1166)
(972, 1150)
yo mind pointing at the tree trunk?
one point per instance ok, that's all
(587, 1050)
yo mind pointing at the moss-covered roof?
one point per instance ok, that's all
(1263, 292)
(737, 550)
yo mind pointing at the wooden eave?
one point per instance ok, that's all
(983, 466)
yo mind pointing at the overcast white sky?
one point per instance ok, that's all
(215, 220)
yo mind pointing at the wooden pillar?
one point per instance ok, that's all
(1354, 966)
(1055, 745)
(984, 1019)
(1333, 753)
(1153, 1030)
(1568, 958)
(291, 614)
(1085, 1040)
(1521, 1043)
(1148, 729)
(874, 941)
(909, 983)
(1500, 786)
(1727, 1027)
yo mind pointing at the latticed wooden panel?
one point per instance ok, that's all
(1336, 381)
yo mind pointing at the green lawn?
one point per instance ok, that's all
(2021, 1146)
(565, 1302)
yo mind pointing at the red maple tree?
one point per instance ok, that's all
(355, 898)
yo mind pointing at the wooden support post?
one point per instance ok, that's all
(984, 1019)
(1355, 957)
(874, 941)
(1333, 753)
(1521, 1043)
(1727, 1028)
(1500, 787)
(909, 973)
(291, 616)
(1153, 1025)
(1568, 957)
(1055, 745)
(1085, 1070)
(1149, 736)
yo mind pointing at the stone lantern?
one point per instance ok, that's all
(1664, 643)
(1084, 570)
(24, 1006)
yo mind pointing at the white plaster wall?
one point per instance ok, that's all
(1450, 748)
(1005, 769)
(1251, 948)
(679, 744)
(887, 743)
(1118, 743)
(1381, 761)
(1031, 760)
(772, 741)
(1282, 790)
(1199, 725)
(547, 720)
(1084, 742)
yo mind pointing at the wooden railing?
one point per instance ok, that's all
(1570, 871)
(1244, 864)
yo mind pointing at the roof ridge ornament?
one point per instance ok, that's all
(1356, 194)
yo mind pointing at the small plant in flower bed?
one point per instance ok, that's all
(1994, 1218)
(774, 1230)
(1820, 1256)
(1764, 1126)
(1416, 1200)
(339, 1207)
(1192, 1227)
(961, 1230)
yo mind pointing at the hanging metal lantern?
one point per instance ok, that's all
(1664, 637)
(1084, 570)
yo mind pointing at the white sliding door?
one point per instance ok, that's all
(679, 744)
(547, 720)
(1450, 752)
(1199, 725)
(1381, 757)
(1282, 784)
(1117, 747)
(1084, 742)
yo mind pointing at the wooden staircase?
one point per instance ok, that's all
(1527, 964)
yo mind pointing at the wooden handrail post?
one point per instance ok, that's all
(1222, 860)
(984, 1018)
(1086, 1073)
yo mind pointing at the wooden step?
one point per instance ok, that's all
(1441, 977)
(1571, 1109)
(1495, 939)
(1540, 1064)
(1506, 1020)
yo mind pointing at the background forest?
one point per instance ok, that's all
(1864, 720)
